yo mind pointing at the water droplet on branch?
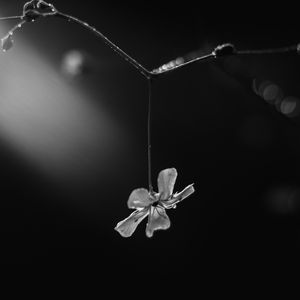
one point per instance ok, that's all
(7, 42)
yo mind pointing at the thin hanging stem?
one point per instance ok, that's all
(149, 135)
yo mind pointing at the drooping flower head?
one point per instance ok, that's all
(153, 205)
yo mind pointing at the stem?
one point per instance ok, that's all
(149, 135)
(19, 25)
(162, 70)
(114, 47)
(173, 65)
(11, 18)
(269, 51)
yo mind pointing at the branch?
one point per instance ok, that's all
(35, 9)
(108, 42)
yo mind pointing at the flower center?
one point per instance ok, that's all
(155, 203)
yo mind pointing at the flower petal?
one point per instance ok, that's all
(166, 181)
(139, 198)
(177, 197)
(157, 220)
(127, 227)
(185, 193)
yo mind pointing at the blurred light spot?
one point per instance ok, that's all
(271, 93)
(74, 63)
(290, 106)
(268, 90)
(283, 200)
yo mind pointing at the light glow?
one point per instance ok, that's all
(290, 106)
(53, 125)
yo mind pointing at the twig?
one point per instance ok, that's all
(113, 46)
(11, 18)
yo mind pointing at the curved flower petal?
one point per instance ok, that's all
(139, 198)
(166, 181)
(127, 227)
(157, 220)
(177, 197)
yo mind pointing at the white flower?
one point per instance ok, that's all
(153, 205)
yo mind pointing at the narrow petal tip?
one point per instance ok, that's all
(123, 233)
(127, 227)
(178, 197)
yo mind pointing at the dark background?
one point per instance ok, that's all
(239, 151)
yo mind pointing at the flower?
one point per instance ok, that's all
(153, 205)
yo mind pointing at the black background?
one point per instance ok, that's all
(206, 123)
